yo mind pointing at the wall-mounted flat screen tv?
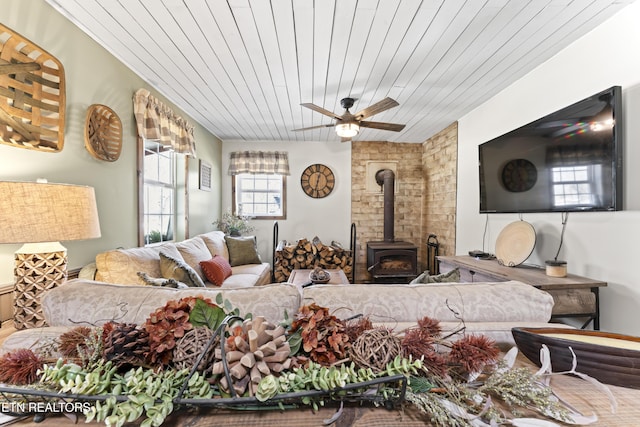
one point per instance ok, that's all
(568, 161)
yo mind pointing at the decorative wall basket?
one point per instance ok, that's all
(103, 133)
(32, 95)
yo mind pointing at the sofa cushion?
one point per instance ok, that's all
(171, 268)
(216, 243)
(86, 302)
(194, 251)
(216, 269)
(122, 265)
(242, 250)
(471, 302)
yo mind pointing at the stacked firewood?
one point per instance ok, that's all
(305, 254)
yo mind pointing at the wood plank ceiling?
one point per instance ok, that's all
(242, 68)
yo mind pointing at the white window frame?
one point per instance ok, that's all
(238, 194)
(152, 178)
(566, 184)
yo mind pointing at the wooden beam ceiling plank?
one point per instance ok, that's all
(246, 23)
(362, 24)
(322, 34)
(445, 49)
(285, 32)
(375, 40)
(227, 24)
(264, 18)
(343, 27)
(217, 81)
(303, 25)
(108, 30)
(416, 31)
(178, 25)
(469, 42)
(400, 25)
(223, 65)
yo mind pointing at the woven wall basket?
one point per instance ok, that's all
(103, 133)
(32, 95)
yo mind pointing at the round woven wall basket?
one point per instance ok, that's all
(103, 133)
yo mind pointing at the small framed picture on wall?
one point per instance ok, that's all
(205, 176)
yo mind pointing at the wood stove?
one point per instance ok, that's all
(391, 261)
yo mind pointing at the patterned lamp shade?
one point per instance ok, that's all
(39, 215)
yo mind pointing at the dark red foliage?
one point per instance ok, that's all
(473, 352)
(20, 367)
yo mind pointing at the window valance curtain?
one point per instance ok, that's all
(156, 121)
(259, 162)
(578, 155)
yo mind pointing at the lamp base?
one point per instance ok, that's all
(36, 272)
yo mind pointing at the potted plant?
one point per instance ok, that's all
(233, 225)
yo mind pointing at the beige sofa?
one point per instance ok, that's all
(488, 308)
(121, 266)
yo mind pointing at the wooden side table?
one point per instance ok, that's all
(300, 277)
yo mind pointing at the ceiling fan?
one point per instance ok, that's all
(348, 125)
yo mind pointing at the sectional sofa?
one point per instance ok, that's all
(491, 309)
(123, 266)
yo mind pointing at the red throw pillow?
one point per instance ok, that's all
(217, 269)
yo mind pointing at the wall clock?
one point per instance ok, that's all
(519, 175)
(317, 181)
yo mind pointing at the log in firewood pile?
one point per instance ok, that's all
(305, 254)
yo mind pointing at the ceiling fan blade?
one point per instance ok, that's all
(376, 108)
(382, 126)
(321, 110)
(314, 127)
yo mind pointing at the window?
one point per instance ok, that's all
(574, 185)
(259, 196)
(159, 193)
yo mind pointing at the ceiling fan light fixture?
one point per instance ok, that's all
(347, 130)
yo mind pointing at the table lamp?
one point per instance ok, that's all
(40, 214)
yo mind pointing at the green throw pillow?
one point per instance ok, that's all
(242, 250)
(171, 268)
(452, 276)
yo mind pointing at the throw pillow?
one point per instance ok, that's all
(242, 250)
(452, 276)
(216, 269)
(159, 281)
(171, 268)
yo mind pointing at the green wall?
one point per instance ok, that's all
(94, 76)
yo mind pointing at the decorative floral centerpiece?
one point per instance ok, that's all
(233, 225)
(193, 351)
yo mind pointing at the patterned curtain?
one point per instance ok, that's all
(156, 121)
(578, 155)
(259, 162)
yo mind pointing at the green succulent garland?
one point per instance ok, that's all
(318, 377)
(148, 393)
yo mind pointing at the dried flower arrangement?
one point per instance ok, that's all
(232, 224)
(452, 380)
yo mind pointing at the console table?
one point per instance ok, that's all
(574, 296)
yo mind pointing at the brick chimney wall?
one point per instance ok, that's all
(426, 183)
